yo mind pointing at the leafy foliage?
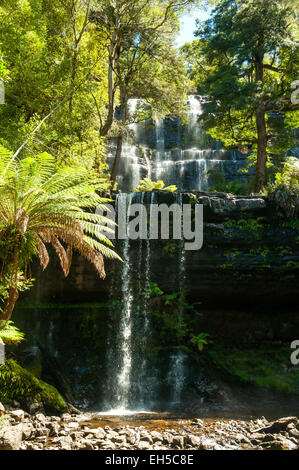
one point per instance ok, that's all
(285, 189)
(265, 367)
(201, 340)
(232, 187)
(175, 320)
(10, 334)
(53, 54)
(41, 205)
(148, 185)
(245, 61)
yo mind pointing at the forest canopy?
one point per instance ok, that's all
(91, 56)
(87, 58)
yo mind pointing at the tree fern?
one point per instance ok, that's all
(42, 205)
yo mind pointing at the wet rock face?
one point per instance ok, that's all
(247, 258)
(180, 154)
(245, 276)
(24, 431)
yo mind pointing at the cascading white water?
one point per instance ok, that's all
(176, 375)
(195, 109)
(160, 147)
(181, 154)
(147, 374)
(194, 106)
(132, 381)
(125, 332)
(148, 166)
(160, 140)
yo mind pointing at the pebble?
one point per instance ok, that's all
(36, 431)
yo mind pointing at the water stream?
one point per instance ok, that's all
(180, 154)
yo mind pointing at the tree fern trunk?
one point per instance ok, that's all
(13, 293)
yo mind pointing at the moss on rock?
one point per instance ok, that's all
(266, 367)
(17, 383)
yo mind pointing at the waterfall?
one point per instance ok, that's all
(148, 166)
(125, 334)
(160, 147)
(147, 375)
(176, 375)
(160, 141)
(134, 381)
(195, 109)
(183, 154)
(131, 380)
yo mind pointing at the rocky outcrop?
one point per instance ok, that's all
(249, 256)
(23, 431)
(245, 278)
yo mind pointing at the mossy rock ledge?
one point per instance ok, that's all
(17, 383)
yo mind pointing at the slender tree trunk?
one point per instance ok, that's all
(73, 78)
(13, 293)
(124, 115)
(261, 147)
(13, 296)
(261, 133)
(115, 167)
(113, 59)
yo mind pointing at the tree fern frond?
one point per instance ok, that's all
(10, 334)
(42, 252)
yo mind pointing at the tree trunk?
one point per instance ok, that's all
(124, 113)
(261, 132)
(113, 61)
(13, 296)
(115, 167)
(261, 147)
(13, 292)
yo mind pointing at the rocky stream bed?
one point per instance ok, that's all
(20, 430)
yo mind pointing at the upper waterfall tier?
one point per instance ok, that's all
(180, 154)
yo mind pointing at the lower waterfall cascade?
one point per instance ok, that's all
(118, 344)
(134, 380)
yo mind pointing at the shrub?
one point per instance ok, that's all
(284, 191)
(148, 185)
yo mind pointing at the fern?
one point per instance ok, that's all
(10, 334)
(42, 205)
(148, 185)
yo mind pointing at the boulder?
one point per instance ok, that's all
(11, 437)
(17, 415)
(278, 425)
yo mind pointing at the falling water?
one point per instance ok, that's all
(146, 381)
(148, 166)
(182, 154)
(176, 375)
(132, 380)
(125, 332)
(160, 140)
(160, 146)
(195, 109)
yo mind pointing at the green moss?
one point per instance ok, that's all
(17, 383)
(252, 227)
(269, 368)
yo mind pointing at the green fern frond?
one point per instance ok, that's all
(10, 334)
